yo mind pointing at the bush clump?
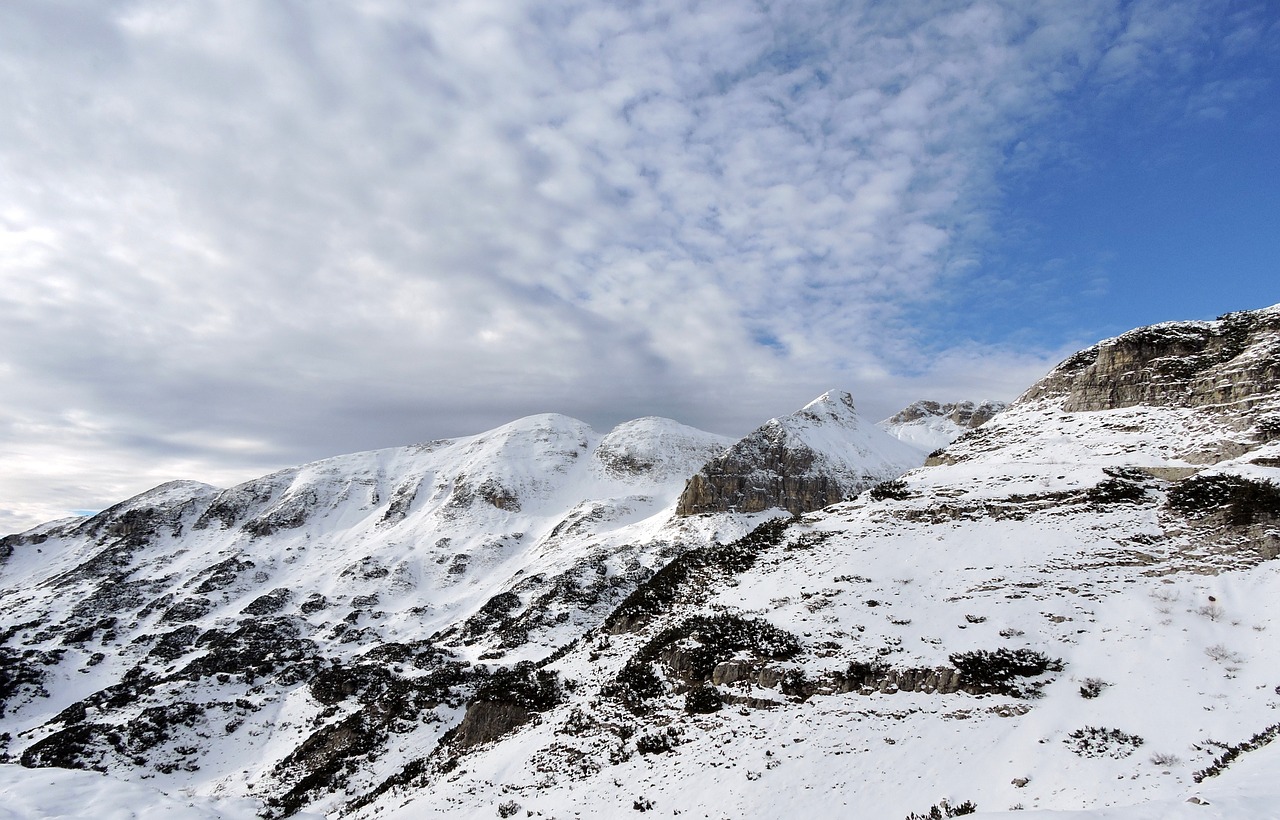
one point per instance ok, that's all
(1095, 741)
(1225, 759)
(1245, 500)
(1116, 491)
(893, 490)
(705, 640)
(1092, 687)
(945, 809)
(997, 672)
(703, 700)
(523, 684)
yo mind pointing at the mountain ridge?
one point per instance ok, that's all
(1066, 608)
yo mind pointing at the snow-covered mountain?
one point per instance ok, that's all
(823, 453)
(205, 636)
(929, 426)
(1070, 608)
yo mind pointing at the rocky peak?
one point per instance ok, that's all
(817, 456)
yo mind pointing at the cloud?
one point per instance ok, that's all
(237, 235)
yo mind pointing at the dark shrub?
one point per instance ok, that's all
(997, 671)
(895, 490)
(1244, 500)
(702, 700)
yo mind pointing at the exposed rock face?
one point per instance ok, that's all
(1232, 364)
(811, 459)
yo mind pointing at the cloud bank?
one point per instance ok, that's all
(237, 235)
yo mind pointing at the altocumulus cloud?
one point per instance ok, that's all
(237, 235)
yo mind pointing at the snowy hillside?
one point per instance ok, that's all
(930, 426)
(1069, 616)
(1068, 613)
(199, 637)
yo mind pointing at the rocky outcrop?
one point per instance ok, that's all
(1232, 364)
(818, 456)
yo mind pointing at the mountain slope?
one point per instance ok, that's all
(1063, 612)
(930, 426)
(1069, 608)
(270, 636)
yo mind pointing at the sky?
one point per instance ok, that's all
(236, 236)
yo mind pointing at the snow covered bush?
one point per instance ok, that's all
(702, 700)
(1095, 741)
(523, 684)
(997, 671)
(1092, 687)
(1245, 500)
(945, 809)
(1232, 752)
(658, 592)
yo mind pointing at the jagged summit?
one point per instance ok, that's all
(831, 406)
(823, 453)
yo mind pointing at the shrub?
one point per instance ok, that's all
(658, 592)
(523, 684)
(1245, 500)
(715, 638)
(1165, 759)
(702, 700)
(508, 809)
(861, 672)
(1115, 491)
(656, 743)
(895, 490)
(1092, 687)
(997, 671)
(1094, 741)
(945, 809)
(1232, 752)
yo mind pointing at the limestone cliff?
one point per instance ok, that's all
(1231, 365)
(815, 457)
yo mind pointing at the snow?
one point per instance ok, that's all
(1000, 546)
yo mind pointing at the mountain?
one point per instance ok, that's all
(821, 454)
(1065, 611)
(930, 426)
(207, 636)
(1069, 608)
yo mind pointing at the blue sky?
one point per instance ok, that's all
(238, 235)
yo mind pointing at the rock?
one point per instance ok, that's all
(818, 456)
(1229, 364)
(489, 720)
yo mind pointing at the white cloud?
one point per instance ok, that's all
(325, 227)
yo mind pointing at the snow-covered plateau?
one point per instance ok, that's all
(1067, 612)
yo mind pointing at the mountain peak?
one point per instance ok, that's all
(817, 456)
(833, 404)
